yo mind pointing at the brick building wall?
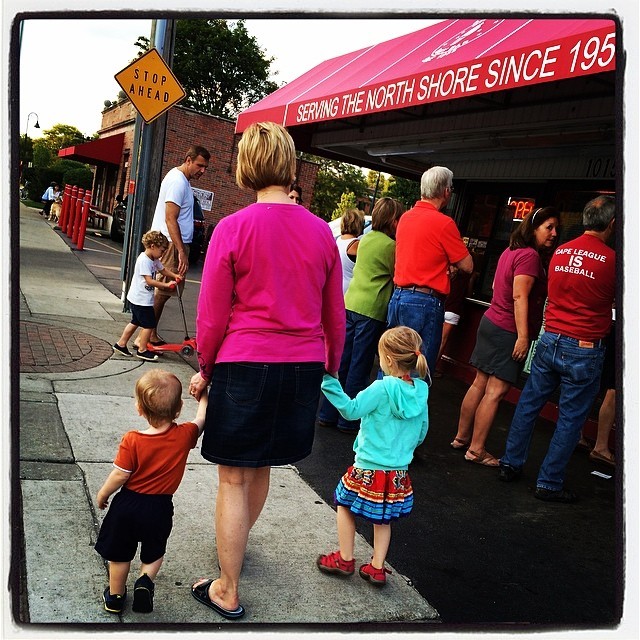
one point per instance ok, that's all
(184, 128)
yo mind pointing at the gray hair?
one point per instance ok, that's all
(434, 182)
(598, 213)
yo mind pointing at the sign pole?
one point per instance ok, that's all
(143, 190)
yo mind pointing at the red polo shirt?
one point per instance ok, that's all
(427, 241)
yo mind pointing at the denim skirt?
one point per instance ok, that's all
(261, 414)
(493, 350)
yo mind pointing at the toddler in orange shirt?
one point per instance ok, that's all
(148, 469)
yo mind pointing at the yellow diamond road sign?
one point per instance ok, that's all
(150, 84)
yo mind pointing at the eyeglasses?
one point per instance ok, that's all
(298, 200)
(451, 188)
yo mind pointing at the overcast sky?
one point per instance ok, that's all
(67, 67)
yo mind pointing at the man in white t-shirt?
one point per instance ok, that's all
(174, 218)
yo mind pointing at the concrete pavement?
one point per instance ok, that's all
(76, 400)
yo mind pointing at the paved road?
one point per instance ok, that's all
(482, 552)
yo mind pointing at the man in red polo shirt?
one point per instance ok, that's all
(427, 244)
(570, 352)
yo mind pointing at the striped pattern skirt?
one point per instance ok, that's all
(377, 496)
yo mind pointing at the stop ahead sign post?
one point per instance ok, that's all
(150, 85)
(153, 89)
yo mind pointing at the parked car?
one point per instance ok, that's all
(197, 243)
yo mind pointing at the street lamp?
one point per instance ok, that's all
(36, 125)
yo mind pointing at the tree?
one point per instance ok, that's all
(376, 181)
(333, 180)
(42, 156)
(406, 191)
(220, 66)
(347, 201)
(61, 136)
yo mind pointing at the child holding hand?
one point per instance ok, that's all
(148, 469)
(394, 421)
(140, 294)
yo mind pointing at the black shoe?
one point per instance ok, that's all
(113, 603)
(143, 595)
(548, 495)
(147, 355)
(123, 350)
(509, 473)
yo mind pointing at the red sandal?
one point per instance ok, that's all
(333, 563)
(373, 575)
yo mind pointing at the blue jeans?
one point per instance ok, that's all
(360, 348)
(558, 361)
(422, 312)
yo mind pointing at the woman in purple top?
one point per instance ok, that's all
(507, 328)
(267, 330)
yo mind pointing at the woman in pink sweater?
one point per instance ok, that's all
(270, 320)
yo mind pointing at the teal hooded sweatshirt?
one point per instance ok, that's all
(394, 420)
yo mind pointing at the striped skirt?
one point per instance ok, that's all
(378, 496)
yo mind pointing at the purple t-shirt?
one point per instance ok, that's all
(512, 263)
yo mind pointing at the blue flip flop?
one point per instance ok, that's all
(201, 594)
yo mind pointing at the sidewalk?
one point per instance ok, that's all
(76, 400)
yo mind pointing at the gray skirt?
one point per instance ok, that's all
(492, 353)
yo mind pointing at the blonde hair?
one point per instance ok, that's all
(266, 157)
(155, 238)
(352, 222)
(159, 396)
(402, 345)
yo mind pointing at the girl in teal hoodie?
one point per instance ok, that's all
(394, 421)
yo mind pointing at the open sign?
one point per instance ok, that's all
(521, 207)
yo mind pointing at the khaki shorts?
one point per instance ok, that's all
(169, 261)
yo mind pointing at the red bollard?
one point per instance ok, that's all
(66, 201)
(84, 216)
(72, 208)
(76, 217)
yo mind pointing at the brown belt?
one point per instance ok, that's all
(428, 290)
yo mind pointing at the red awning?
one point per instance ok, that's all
(448, 60)
(101, 151)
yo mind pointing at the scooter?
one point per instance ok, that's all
(188, 346)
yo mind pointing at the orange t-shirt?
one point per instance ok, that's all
(156, 462)
(427, 242)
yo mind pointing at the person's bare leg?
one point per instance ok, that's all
(606, 418)
(381, 542)
(118, 573)
(152, 568)
(129, 330)
(495, 390)
(468, 408)
(242, 492)
(447, 328)
(158, 307)
(346, 532)
(143, 339)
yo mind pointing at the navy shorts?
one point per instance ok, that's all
(136, 518)
(143, 316)
(261, 414)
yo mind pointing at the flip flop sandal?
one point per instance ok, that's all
(598, 457)
(484, 458)
(201, 594)
(459, 444)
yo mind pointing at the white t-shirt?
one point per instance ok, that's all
(140, 292)
(175, 188)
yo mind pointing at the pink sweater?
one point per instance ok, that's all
(271, 290)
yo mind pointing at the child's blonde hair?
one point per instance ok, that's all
(402, 345)
(159, 396)
(156, 239)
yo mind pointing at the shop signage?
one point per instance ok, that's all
(520, 207)
(150, 85)
(449, 60)
(205, 198)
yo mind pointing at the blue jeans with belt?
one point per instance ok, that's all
(360, 348)
(558, 361)
(423, 312)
